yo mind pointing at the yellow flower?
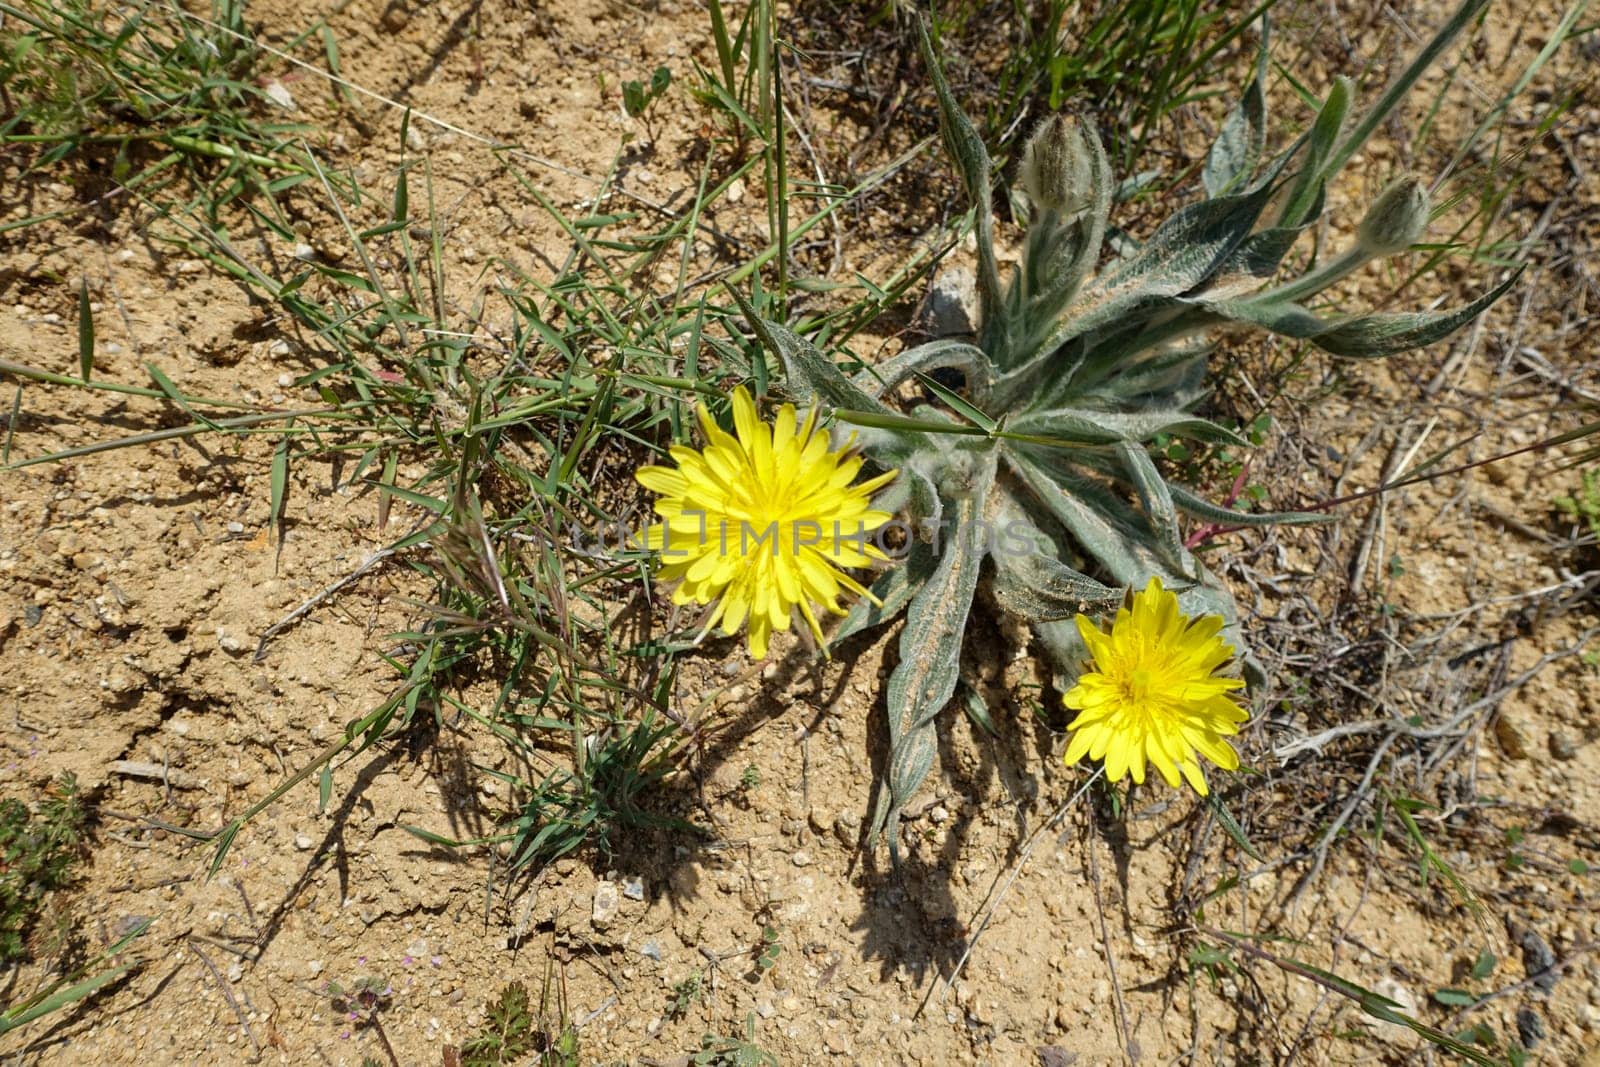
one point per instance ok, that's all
(1153, 693)
(762, 522)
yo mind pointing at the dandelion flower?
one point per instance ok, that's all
(1153, 694)
(763, 521)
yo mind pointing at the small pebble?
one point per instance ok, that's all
(802, 858)
(633, 888)
(607, 902)
(303, 842)
(1530, 1028)
(1562, 747)
(1512, 737)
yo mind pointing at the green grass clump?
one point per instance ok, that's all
(164, 104)
(38, 852)
(1139, 61)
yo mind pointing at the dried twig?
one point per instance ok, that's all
(233, 1003)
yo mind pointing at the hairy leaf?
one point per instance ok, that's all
(885, 376)
(1156, 498)
(1386, 334)
(966, 148)
(1040, 588)
(930, 651)
(1237, 151)
(1201, 508)
(1088, 426)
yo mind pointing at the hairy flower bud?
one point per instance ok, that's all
(1055, 167)
(1396, 219)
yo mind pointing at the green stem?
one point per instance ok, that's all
(1317, 280)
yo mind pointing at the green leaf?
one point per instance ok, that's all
(978, 711)
(1040, 588)
(633, 98)
(1283, 317)
(1387, 334)
(966, 148)
(1465, 15)
(810, 376)
(1257, 259)
(1089, 426)
(28, 1011)
(1231, 827)
(959, 404)
(1156, 499)
(906, 424)
(1183, 253)
(1304, 203)
(85, 331)
(1237, 150)
(1120, 540)
(279, 487)
(1103, 526)
(877, 379)
(1455, 998)
(930, 654)
(1202, 508)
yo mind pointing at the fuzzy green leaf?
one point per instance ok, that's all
(1257, 259)
(930, 653)
(936, 355)
(1237, 151)
(1201, 508)
(966, 148)
(1231, 827)
(1304, 203)
(1182, 254)
(1040, 588)
(1107, 529)
(1386, 334)
(1088, 426)
(810, 375)
(1283, 317)
(1156, 498)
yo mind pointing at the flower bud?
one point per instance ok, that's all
(1055, 167)
(1396, 219)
